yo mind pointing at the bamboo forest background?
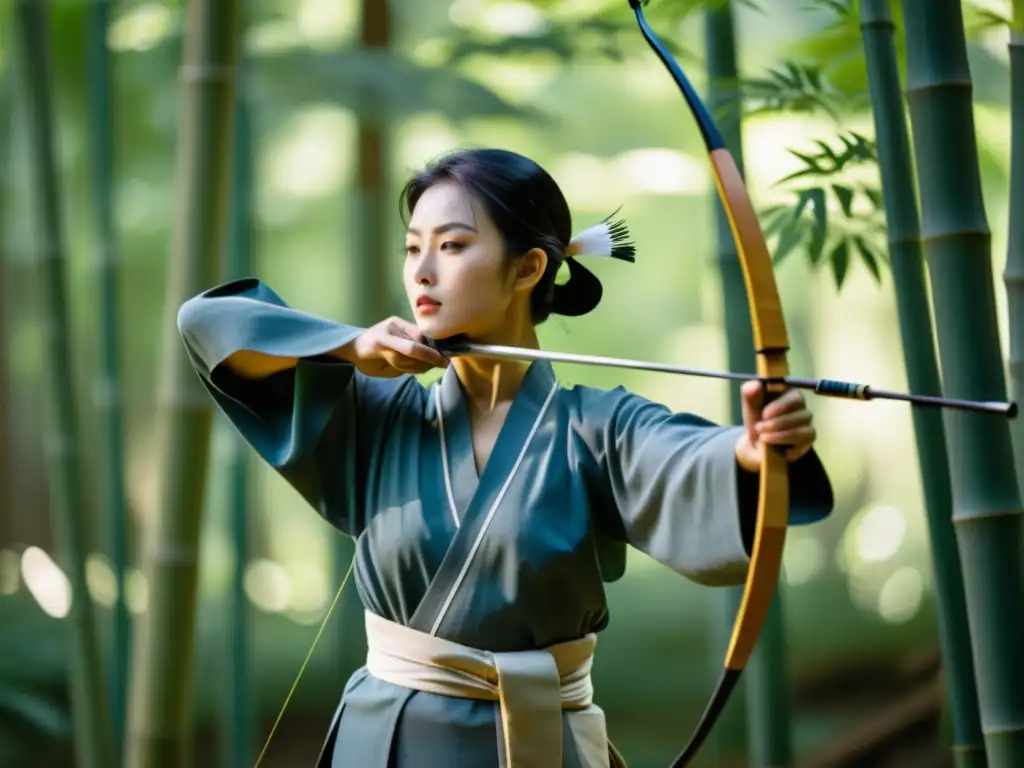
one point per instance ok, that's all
(152, 149)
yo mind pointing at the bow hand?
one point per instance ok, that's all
(784, 423)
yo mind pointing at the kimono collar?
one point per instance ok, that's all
(461, 477)
(533, 390)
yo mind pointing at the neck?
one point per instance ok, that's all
(488, 383)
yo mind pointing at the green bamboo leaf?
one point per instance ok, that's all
(377, 85)
(802, 200)
(865, 147)
(869, 257)
(793, 87)
(565, 40)
(828, 153)
(788, 240)
(774, 218)
(845, 195)
(812, 167)
(838, 6)
(819, 230)
(46, 716)
(984, 19)
(875, 196)
(839, 258)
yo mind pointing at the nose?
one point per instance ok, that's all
(424, 273)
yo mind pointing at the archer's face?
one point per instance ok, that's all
(457, 278)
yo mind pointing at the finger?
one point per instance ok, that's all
(752, 400)
(790, 400)
(416, 351)
(398, 326)
(417, 367)
(383, 370)
(801, 436)
(785, 421)
(404, 364)
(751, 389)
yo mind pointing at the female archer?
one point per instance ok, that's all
(489, 508)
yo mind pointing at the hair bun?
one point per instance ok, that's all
(583, 291)
(578, 296)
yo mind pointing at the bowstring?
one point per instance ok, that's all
(305, 662)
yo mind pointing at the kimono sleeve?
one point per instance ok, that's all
(310, 415)
(675, 491)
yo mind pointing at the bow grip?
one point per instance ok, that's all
(773, 388)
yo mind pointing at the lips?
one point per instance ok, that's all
(426, 301)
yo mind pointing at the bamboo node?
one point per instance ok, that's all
(195, 73)
(173, 556)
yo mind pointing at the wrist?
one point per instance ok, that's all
(346, 352)
(747, 456)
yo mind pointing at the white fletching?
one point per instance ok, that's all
(608, 238)
(593, 241)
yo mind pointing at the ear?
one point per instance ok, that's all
(528, 269)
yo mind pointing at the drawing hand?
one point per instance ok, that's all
(392, 348)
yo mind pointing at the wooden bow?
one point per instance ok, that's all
(771, 345)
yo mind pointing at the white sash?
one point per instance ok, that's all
(531, 687)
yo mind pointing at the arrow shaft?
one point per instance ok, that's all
(823, 387)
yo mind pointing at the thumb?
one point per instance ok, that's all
(752, 396)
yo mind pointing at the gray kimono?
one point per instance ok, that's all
(511, 559)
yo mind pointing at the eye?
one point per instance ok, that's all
(411, 250)
(451, 245)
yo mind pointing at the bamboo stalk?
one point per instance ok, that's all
(93, 747)
(903, 226)
(109, 397)
(239, 737)
(371, 293)
(987, 505)
(165, 643)
(1013, 274)
(6, 379)
(764, 686)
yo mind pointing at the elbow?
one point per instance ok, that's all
(201, 325)
(195, 321)
(205, 310)
(188, 316)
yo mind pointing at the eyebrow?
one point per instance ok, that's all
(444, 228)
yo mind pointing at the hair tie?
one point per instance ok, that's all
(583, 290)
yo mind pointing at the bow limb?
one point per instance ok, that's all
(771, 345)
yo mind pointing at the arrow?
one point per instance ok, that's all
(458, 346)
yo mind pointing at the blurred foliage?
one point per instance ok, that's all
(34, 710)
(829, 77)
(791, 87)
(806, 225)
(564, 40)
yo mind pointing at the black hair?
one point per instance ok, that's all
(528, 209)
